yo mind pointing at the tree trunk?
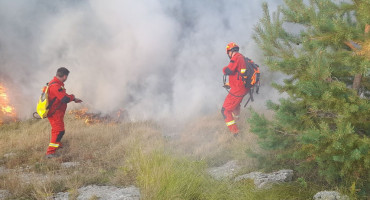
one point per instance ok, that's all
(357, 82)
(357, 79)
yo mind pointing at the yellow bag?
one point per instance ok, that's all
(43, 104)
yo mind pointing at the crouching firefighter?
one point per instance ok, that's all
(58, 99)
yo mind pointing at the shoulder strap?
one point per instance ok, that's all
(53, 100)
(47, 84)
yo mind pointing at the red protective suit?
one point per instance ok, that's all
(58, 98)
(237, 92)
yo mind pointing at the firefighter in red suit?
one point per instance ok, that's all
(58, 99)
(231, 106)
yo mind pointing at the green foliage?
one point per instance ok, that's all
(322, 129)
(302, 182)
(164, 176)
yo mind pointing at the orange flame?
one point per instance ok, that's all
(93, 118)
(7, 112)
(88, 118)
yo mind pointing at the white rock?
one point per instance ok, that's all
(262, 180)
(330, 195)
(109, 193)
(225, 171)
(61, 196)
(102, 193)
(70, 164)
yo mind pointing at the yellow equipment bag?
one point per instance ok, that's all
(43, 104)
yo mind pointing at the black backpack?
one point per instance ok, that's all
(251, 78)
(251, 75)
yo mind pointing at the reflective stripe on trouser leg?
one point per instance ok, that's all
(230, 123)
(232, 126)
(53, 145)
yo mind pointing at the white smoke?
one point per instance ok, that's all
(155, 58)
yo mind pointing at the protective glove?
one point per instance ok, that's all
(227, 86)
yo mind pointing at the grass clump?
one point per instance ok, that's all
(163, 176)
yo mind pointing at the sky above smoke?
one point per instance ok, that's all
(155, 58)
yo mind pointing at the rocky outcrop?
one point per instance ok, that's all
(103, 193)
(330, 195)
(225, 171)
(262, 180)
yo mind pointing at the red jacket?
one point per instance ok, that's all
(233, 70)
(58, 97)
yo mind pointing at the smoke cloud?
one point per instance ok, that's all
(155, 58)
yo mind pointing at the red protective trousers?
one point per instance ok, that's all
(230, 109)
(57, 131)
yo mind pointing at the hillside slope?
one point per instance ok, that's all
(131, 153)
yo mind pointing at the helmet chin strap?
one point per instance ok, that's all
(232, 52)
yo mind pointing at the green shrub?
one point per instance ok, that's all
(322, 128)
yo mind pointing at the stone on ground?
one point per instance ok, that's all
(225, 171)
(262, 180)
(103, 193)
(61, 196)
(330, 195)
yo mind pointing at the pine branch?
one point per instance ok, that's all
(285, 133)
(322, 114)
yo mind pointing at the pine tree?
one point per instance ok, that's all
(322, 129)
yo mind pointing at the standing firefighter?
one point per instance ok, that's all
(58, 99)
(231, 106)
